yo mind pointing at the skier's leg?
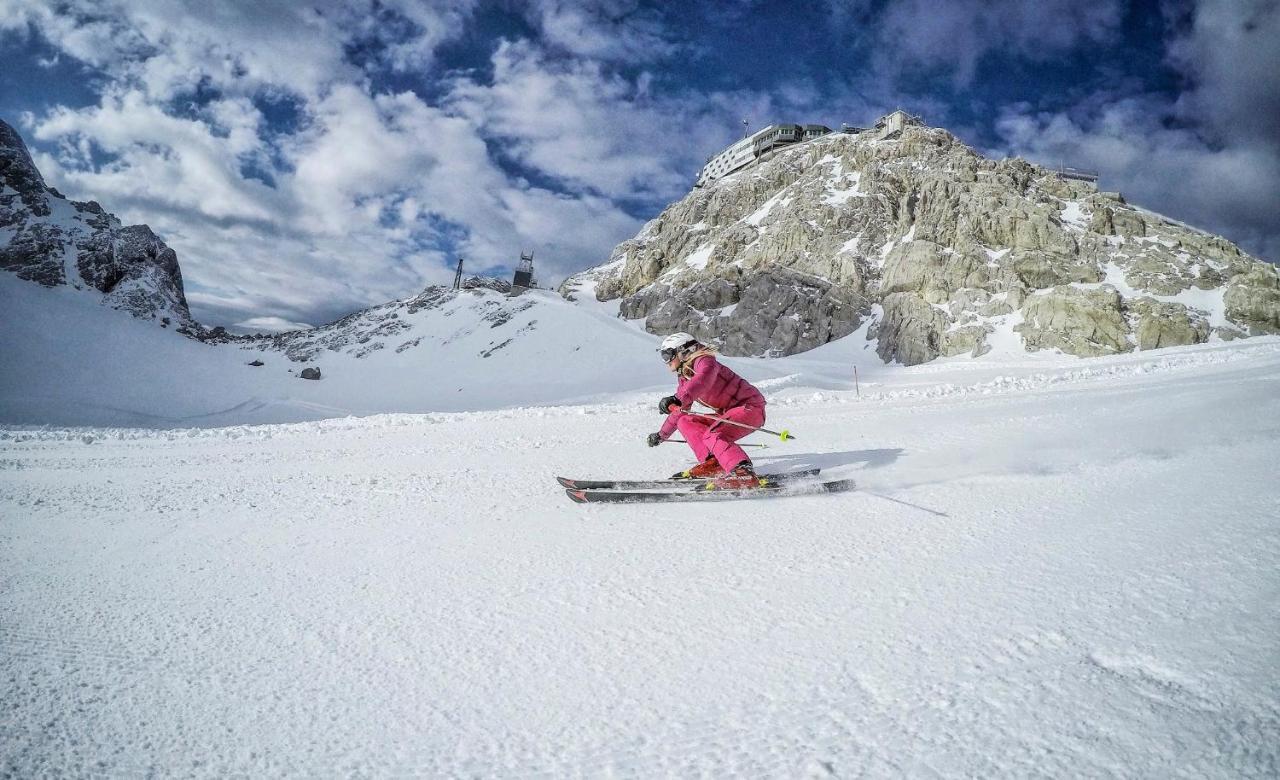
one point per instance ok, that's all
(694, 430)
(721, 438)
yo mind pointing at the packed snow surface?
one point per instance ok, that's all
(65, 359)
(1052, 567)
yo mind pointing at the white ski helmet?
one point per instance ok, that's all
(672, 345)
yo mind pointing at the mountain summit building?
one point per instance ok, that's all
(766, 140)
(755, 146)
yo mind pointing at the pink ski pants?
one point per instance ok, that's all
(712, 437)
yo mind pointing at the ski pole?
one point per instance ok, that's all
(783, 434)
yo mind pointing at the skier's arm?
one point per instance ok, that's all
(669, 425)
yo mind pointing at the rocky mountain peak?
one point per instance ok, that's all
(930, 249)
(48, 239)
(18, 172)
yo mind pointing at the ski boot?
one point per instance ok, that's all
(704, 470)
(743, 477)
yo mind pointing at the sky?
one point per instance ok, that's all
(307, 160)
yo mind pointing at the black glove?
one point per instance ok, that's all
(665, 404)
(655, 439)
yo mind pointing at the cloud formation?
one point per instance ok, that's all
(953, 37)
(1230, 55)
(309, 159)
(370, 197)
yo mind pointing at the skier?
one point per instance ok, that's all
(702, 378)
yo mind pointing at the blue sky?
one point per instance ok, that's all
(309, 159)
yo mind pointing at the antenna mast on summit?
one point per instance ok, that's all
(457, 277)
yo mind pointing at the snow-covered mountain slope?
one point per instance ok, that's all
(1066, 568)
(69, 361)
(47, 239)
(941, 250)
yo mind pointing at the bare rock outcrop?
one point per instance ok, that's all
(800, 248)
(1253, 300)
(1081, 322)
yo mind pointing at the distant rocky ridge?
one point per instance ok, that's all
(390, 326)
(47, 239)
(937, 250)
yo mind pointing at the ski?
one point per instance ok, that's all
(795, 488)
(650, 484)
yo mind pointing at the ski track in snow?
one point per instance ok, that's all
(1061, 570)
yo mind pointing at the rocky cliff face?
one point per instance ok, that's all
(48, 239)
(936, 249)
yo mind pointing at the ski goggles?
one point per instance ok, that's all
(668, 354)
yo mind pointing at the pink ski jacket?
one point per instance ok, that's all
(713, 384)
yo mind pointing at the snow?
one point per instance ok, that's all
(582, 287)
(70, 361)
(838, 197)
(1073, 214)
(1052, 566)
(697, 260)
(759, 214)
(1003, 339)
(1059, 578)
(1211, 302)
(65, 217)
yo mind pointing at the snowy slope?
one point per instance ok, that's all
(1054, 567)
(69, 360)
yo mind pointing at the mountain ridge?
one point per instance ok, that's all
(944, 251)
(50, 240)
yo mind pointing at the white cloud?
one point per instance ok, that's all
(1230, 54)
(367, 199)
(586, 127)
(167, 47)
(602, 29)
(954, 36)
(575, 122)
(182, 164)
(423, 25)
